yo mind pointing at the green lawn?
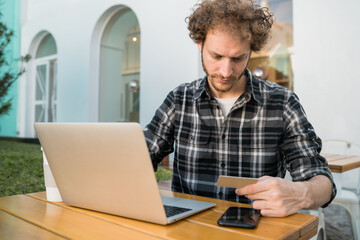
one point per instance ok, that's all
(21, 169)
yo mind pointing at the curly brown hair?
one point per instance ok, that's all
(242, 18)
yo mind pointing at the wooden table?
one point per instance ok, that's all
(30, 216)
(341, 163)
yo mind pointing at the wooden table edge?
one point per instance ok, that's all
(294, 234)
(298, 231)
(335, 165)
(61, 204)
(314, 223)
(309, 234)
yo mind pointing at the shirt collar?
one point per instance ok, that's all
(252, 87)
(201, 89)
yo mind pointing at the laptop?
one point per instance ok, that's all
(106, 167)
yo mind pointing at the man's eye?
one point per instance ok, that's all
(237, 59)
(217, 57)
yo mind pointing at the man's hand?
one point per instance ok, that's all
(277, 197)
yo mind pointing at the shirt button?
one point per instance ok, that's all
(220, 194)
(217, 107)
(191, 137)
(222, 165)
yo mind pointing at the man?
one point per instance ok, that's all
(232, 123)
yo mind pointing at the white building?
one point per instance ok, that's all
(86, 54)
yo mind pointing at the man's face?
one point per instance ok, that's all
(224, 59)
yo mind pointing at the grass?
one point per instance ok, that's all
(21, 169)
(163, 174)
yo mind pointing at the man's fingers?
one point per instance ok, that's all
(263, 178)
(274, 197)
(276, 212)
(261, 186)
(272, 213)
(260, 204)
(258, 196)
(274, 208)
(267, 210)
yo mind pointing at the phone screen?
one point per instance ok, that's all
(240, 217)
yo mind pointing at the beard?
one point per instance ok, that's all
(213, 79)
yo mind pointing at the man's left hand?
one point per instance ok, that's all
(276, 197)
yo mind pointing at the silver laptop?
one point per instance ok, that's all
(106, 167)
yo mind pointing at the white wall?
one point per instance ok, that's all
(326, 51)
(327, 65)
(168, 56)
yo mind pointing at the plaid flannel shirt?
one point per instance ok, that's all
(265, 133)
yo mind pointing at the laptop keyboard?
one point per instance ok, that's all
(172, 210)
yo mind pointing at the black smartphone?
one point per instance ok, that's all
(240, 217)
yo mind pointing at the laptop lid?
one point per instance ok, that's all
(105, 167)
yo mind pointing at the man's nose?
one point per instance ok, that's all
(226, 68)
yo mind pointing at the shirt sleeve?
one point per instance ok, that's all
(301, 146)
(159, 133)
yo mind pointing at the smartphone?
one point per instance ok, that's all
(240, 217)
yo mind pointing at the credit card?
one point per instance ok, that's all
(235, 182)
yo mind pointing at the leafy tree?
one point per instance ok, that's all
(7, 75)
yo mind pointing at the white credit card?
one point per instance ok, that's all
(235, 182)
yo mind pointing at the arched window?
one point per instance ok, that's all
(45, 101)
(119, 82)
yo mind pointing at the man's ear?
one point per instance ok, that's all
(200, 46)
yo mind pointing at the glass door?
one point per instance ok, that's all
(45, 91)
(274, 62)
(119, 83)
